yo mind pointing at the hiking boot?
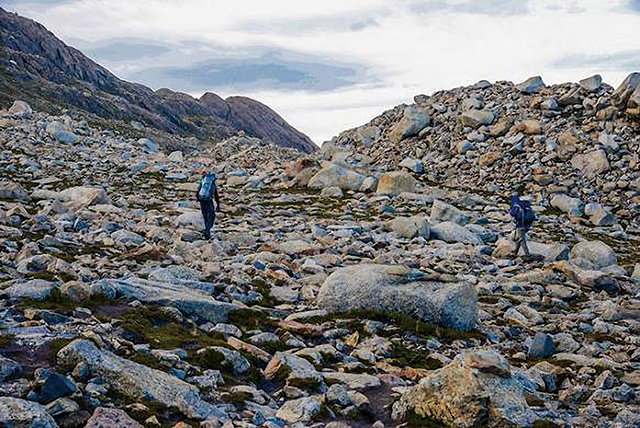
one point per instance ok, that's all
(207, 235)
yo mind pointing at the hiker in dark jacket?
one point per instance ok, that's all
(206, 194)
(524, 217)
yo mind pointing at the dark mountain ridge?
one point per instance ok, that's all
(38, 67)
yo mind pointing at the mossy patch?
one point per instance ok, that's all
(238, 399)
(6, 340)
(414, 420)
(407, 357)
(58, 302)
(405, 323)
(249, 319)
(151, 325)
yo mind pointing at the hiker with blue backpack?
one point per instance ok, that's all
(524, 217)
(206, 194)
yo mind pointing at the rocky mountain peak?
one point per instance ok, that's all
(38, 67)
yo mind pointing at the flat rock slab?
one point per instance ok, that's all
(383, 288)
(353, 380)
(190, 297)
(129, 378)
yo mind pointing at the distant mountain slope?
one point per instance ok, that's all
(38, 67)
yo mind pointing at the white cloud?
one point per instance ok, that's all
(405, 46)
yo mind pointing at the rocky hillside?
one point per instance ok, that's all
(39, 68)
(371, 284)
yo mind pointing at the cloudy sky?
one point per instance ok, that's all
(333, 64)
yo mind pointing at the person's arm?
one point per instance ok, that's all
(217, 198)
(198, 190)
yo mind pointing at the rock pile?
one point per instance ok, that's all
(369, 284)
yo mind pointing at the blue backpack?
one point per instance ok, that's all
(523, 213)
(207, 187)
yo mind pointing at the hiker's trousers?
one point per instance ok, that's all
(208, 214)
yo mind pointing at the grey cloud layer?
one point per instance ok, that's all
(627, 60)
(194, 66)
(479, 7)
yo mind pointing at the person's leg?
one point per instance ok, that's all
(525, 247)
(517, 242)
(206, 217)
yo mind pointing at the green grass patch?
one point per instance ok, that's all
(249, 319)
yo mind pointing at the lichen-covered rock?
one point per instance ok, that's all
(394, 183)
(410, 227)
(454, 233)
(15, 412)
(477, 389)
(593, 255)
(382, 288)
(105, 417)
(334, 175)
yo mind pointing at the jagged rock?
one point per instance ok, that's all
(8, 368)
(567, 204)
(531, 85)
(477, 388)
(410, 227)
(413, 121)
(394, 183)
(591, 84)
(54, 386)
(441, 211)
(598, 215)
(623, 93)
(411, 164)
(383, 288)
(476, 118)
(15, 412)
(10, 190)
(354, 381)
(20, 109)
(454, 233)
(593, 255)
(104, 417)
(541, 347)
(333, 175)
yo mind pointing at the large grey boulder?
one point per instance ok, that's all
(591, 164)
(61, 132)
(384, 288)
(531, 85)
(36, 289)
(592, 255)
(396, 182)
(626, 90)
(134, 380)
(410, 227)
(413, 121)
(190, 297)
(477, 118)
(478, 388)
(567, 204)
(84, 196)
(334, 175)
(192, 219)
(15, 412)
(454, 233)
(441, 211)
